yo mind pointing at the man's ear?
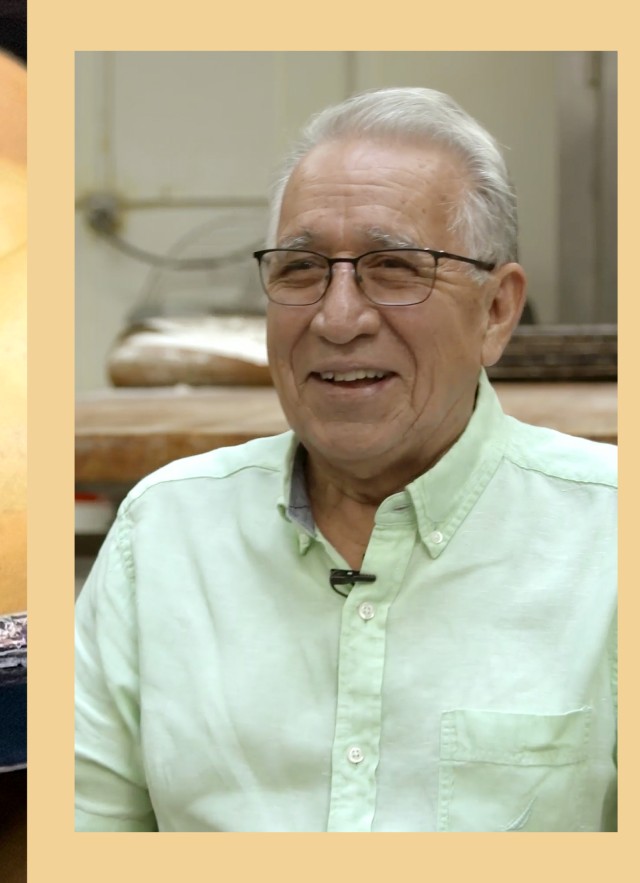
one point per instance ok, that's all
(507, 297)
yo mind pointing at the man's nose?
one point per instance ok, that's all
(344, 312)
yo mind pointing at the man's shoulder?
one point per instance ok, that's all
(263, 454)
(562, 456)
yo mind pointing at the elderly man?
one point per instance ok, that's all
(400, 616)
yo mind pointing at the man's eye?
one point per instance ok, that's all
(304, 270)
(393, 263)
(401, 263)
(297, 266)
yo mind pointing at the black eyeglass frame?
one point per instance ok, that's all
(436, 255)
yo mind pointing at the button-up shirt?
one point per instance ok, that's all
(224, 685)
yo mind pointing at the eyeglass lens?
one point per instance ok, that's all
(386, 277)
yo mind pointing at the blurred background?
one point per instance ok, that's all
(175, 153)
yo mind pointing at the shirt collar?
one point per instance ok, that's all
(442, 497)
(294, 503)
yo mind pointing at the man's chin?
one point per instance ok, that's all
(349, 443)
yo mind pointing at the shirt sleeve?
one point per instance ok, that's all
(111, 792)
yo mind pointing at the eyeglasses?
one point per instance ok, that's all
(387, 277)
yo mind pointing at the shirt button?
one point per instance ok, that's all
(436, 537)
(366, 611)
(355, 755)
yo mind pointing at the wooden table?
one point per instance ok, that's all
(123, 434)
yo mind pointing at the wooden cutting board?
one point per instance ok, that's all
(123, 434)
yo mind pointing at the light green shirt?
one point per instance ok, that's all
(222, 685)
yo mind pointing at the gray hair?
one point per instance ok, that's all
(485, 219)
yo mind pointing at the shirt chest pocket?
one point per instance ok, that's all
(512, 772)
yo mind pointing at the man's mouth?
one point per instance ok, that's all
(354, 380)
(351, 376)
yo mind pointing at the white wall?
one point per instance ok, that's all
(176, 129)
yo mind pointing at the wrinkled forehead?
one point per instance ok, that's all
(372, 158)
(373, 183)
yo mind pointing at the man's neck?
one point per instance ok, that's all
(344, 504)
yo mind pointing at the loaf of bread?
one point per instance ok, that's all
(13, 378)
(198, 351)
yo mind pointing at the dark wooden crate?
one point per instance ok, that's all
(559, 352)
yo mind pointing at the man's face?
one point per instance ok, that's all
(346, 198)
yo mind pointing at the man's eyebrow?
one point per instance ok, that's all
(375, 236)
(389, 240)
(302, 240)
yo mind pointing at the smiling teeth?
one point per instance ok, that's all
(352, 375)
